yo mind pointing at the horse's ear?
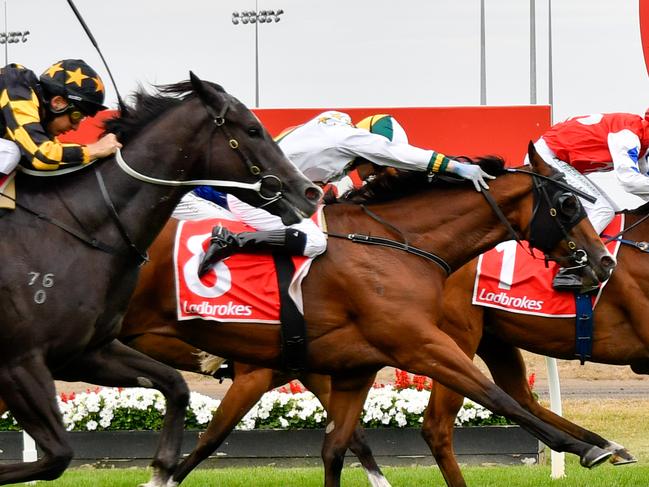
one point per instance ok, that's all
(537, 162)
(205, 92)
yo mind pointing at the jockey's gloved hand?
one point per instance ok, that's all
(472, 172)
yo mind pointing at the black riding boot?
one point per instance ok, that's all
(224, 243)
(570, 279)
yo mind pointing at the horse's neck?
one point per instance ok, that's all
(143, 208)
(455, 224)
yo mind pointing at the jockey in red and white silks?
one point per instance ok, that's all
(597, 143)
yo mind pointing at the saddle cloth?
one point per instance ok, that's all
(508, 278)
(240, 288)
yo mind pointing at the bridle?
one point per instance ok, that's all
(563, 209)
(553, 216)
(218, 122)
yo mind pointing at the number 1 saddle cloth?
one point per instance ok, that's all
(508, 278)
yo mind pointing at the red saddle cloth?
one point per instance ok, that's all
(509, 278)
(242, 287)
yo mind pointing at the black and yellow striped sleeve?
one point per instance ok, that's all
(20, 108)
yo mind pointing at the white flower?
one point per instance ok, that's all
(385, 405)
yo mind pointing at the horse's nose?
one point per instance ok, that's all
(313, 193)
(608, 263)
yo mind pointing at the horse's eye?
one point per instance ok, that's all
(254, 132)
(568, 205)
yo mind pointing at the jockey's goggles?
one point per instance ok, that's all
(73, 113)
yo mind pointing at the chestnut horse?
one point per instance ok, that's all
(249, 383)
(367, 307)
(620, 337)
(71, 253)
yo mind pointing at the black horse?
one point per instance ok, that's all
(72, 249)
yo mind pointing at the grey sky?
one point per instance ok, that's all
(353, 52)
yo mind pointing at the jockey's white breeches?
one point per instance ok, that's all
(192, 207)
(9, 156)
(259, 219)
(601, 212)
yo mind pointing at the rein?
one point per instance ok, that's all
(393, 244)
(219, 122)
(539, 180)
(641, 246)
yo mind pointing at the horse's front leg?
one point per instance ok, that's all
(249, 384)
(115, 364)
(440, 358)
(507, 368)
(28, 391)
(346, 402)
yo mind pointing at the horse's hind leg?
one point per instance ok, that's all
(115, 364)
(345, 405)
(507, 368)
(320, 385)
(249, 384)
(28, 390)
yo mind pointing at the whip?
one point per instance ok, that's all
(122, 105)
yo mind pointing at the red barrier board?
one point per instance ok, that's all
(470, 131)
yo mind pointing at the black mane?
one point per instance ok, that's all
(641, 210)
(149, 106)
(391, 184)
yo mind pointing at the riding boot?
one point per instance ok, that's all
(224, 243)
(570, 279)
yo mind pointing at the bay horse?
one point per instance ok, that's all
(367, 307)
(249, 383)
(620, 337)
(71, 253)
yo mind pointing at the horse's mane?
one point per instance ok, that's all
(147, 107)
(391, 184)
(641, 210)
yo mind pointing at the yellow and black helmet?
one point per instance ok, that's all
(385, 125)
(77, 82)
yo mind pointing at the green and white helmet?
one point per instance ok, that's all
(385, 125)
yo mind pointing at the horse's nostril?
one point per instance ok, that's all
(313, 193)
(608, 262)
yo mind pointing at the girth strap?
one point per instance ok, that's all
(293, 327)
(583, 327)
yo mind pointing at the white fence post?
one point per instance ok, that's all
(557, 459)
(29, 451)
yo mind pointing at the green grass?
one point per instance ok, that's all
(621, 420)
(537, 476)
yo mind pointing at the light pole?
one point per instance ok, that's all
(7, 38)
(256, 17)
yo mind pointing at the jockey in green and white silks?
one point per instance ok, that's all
(323, 149)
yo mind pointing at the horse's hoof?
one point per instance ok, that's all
(594, 457)
(621, 456)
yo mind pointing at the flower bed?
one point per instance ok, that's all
(112, 409)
